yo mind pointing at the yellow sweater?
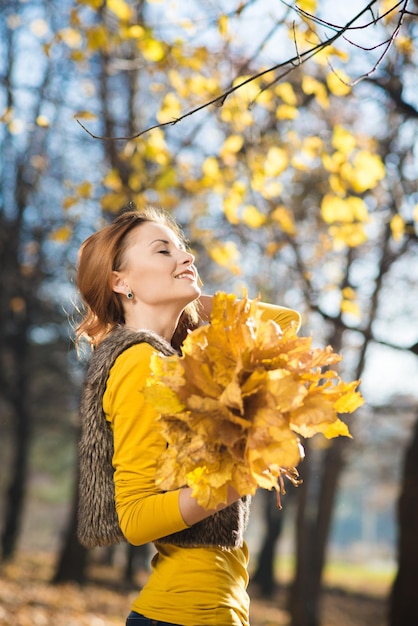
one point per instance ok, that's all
(187, 586)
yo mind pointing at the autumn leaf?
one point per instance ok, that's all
(233, 405)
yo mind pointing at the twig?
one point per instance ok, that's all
(296, 61)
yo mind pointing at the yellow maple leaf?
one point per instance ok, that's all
(232, 406)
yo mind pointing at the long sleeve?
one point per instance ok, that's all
(145, 513)
(280, 314)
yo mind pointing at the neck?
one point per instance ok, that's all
(162, 323)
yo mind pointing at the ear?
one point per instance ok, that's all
(118, 283)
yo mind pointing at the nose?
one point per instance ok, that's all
(188, 258)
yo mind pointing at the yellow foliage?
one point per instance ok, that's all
(405, 45)
(415, 213)
(210, 169)
(337, 185)
(349, 209)
(312, 146)
(343, 140)
(7, 115)
(68, 202)
(226, 254)
(152, 50)
(308, 5)
(167, 179)
(397, 226)
(333, 162)
(338, 83)
(284, 218)
(135, 32)
(350, 307)
(311, 86)
(120, 8)
(112, 180)
(389, 7)
(366, 171)
(286, 92)
(170, 109)
(223, 23)
(178, 83)
(349, 293)
(286, 112)
(276, 161)
(202, 86)
(233, 200)
(43, 121)
(351, 235)
(93, 4)
(62, 234)
(85, 115)
(70, 37)
(252, 217)
(271, 189)
(156, 148)
(84, 189)
(349, 304)
(249, 91)
(233, 143)
(97, 37)
(232, 406)
(236, 113)
(114, 201)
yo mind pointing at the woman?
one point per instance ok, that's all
(141, 293)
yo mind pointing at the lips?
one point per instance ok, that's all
(189, 274)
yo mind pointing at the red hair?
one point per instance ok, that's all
(100, 255)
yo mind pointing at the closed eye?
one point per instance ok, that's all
(163, 252)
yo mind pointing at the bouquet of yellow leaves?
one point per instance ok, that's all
(233, 405)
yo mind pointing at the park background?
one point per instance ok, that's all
(282, 136)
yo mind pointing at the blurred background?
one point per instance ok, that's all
(283, 138)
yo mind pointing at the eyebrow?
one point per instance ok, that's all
(160, 241)
(167, 243)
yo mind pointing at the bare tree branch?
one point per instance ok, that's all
(289, 65)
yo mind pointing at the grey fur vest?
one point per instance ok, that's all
(97, 519)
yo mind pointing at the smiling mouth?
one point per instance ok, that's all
(188, 275)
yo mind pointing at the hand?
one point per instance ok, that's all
(192, 512)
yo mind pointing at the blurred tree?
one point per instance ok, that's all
(33, 325)
(21, 262)
(403, 601)
(295, 184)
(286, 177)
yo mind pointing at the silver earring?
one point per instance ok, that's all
(129, 295)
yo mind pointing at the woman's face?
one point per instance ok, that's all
(156, 268)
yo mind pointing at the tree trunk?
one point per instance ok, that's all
(15, 494)
(315, 508)
(273, 518)
(72, 561)
(16, 354)
(403, 609)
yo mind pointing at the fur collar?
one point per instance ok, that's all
(97, 518)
